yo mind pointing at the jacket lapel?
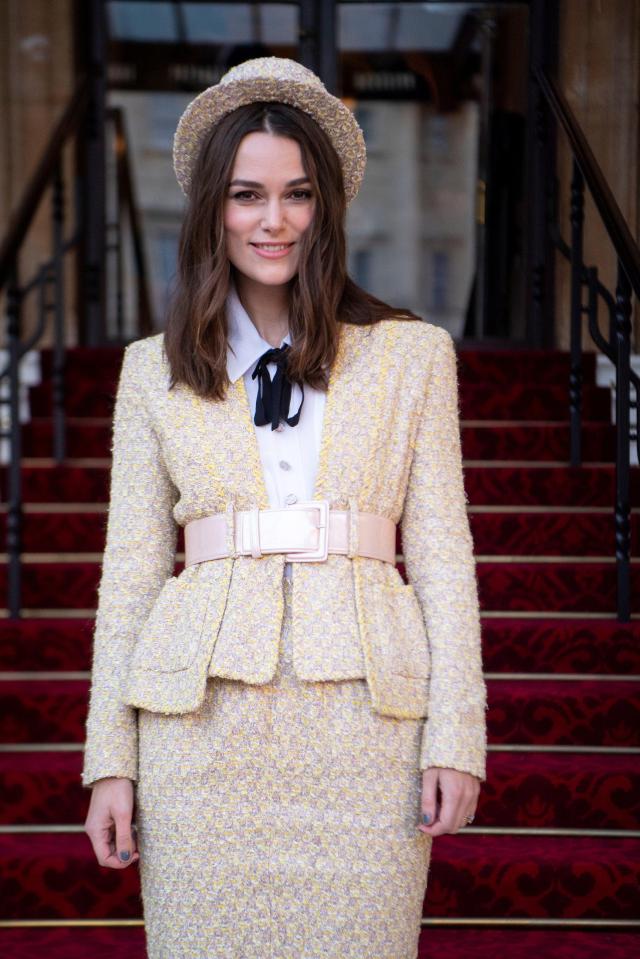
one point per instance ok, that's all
(224, 447)
(336, 405)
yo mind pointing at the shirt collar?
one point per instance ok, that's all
(246, 345)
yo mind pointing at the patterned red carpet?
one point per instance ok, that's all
(552, 863)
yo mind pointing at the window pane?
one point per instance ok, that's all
(219, 22)
(142, 21)
(398, 26)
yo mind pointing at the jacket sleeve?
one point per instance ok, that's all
(439, 561)
(139, 555)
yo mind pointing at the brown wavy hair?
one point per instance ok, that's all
(321, 293)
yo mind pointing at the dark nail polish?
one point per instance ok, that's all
(426, 818)
(124, 855)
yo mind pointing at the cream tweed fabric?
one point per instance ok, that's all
(279, 821)
(390, 445)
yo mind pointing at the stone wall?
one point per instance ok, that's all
(599, 72)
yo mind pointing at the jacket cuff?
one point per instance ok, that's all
(457, 747)
(112, 756)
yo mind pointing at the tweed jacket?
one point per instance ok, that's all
(390, 445)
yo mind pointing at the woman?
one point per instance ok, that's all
(296, 721)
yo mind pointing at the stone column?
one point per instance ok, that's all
(36, 80)
(599, 72)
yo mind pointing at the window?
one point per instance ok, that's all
(439, 281)
(165, 109)
(362, 263)
(366, 118)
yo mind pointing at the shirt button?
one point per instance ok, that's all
(290, 499)
(284, 465)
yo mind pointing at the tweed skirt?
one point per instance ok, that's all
(279, 821)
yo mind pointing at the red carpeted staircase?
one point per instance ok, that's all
(552, 863)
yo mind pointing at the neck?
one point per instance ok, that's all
(267, 307)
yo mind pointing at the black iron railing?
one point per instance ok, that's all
(615, 341)
(48, 290)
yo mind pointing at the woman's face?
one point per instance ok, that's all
(269, 205)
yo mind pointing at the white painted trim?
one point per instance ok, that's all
(30, 374)
(606, 376)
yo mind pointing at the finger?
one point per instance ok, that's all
(124, 847)
(104, 848)
(428, 804)
(102, 841)
(450, 810)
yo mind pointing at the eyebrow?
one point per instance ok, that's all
(254, 183)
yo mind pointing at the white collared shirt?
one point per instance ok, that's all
(289, 454)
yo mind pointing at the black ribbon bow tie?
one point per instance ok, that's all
(274, 397)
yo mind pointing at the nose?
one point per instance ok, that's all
(272, 219)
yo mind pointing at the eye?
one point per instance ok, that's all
(242, 195)
(301, 194)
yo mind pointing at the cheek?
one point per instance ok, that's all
(306, 216)
(233, 222)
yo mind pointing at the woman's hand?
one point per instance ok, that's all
(109, 822)
(458, 800)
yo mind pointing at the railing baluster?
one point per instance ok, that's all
(622, 506)
(57, 373)
(14, 492)
(575, 377)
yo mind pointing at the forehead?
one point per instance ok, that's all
(262, 152)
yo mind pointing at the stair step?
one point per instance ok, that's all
(487, 943)
(533, 366)
(82, 438)
(548, 586)
(531, 485)
(29, 644)
(567, 791)
(530, 401)
(534, 441)
(534, 790)
(551, 586)
(471, 876)
(509, 441)
(103, 361)
(435, 943)
(507, 533)
(486, 484)
(550, 712)
(548, 534)
(509, 876)
(512, 401)
(56, 876)
(594, 712)
(600, 646)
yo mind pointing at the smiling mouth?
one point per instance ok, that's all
(272, 247)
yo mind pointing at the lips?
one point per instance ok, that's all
(272, 251)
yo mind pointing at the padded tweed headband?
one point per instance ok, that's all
(272, 79)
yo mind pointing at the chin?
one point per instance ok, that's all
(269, 277)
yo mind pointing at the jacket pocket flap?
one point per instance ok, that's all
(397, 632)
(170, 636)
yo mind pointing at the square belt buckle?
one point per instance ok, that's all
(320, 553)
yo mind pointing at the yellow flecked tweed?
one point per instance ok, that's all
(390, 445)
(279, 821)
(271, 79)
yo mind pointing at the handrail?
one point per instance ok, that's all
(21, 220)
(619, 233)
(127, 200)
(616, 343)
(48, 287)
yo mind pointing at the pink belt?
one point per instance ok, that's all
(305, 532)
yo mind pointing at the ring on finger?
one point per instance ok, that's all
(468, 820)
